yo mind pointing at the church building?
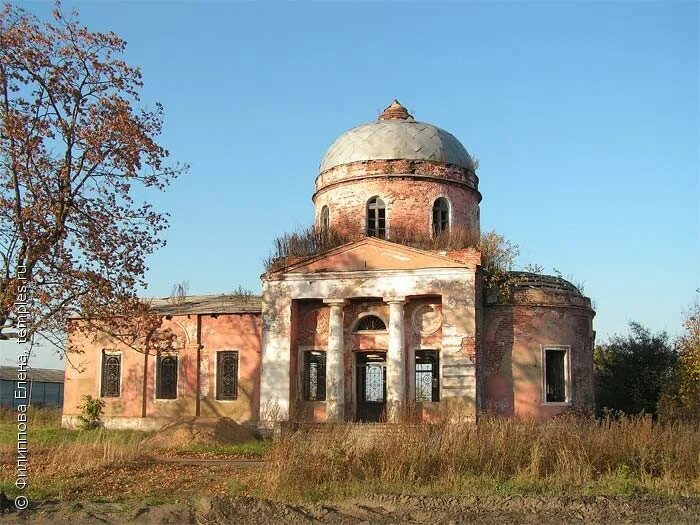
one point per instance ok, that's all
(375, 329)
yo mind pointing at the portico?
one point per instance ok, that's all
(364, 308)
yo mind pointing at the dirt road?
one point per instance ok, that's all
(379, 509)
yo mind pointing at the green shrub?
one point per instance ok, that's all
(91, 413)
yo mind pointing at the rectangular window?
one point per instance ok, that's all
(314, 376)
(111, 375)
(555, 375)
(227, 375)
(166, 375)
(376, 218)
(427, 376)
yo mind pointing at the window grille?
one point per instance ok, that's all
(369, 323)
(314, 376)
(427, 376)
(111, 375)
(227, 375)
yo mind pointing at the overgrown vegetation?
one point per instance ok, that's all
(632, 371)
(646, 372)
(498, 254)
(109, 465)
(307, 242)
(567, 455)
(37, 415)
(681, 397)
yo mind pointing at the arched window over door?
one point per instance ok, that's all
(369, 323)
(441, 216)
(376, 218)
(325, 218)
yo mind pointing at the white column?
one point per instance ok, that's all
(276, 352)
(335, 370)
(395, 359)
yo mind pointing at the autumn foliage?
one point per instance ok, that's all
(75, 142)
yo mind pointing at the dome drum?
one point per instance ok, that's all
(409, 204)
(407, 164)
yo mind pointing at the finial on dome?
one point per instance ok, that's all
(395, 112)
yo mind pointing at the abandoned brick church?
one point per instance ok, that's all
(370, 330)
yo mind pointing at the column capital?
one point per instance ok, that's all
(334, 302)
(395, 300)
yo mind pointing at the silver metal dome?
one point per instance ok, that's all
(396, 138)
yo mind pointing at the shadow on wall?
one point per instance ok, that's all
(497, 362)
(138, 381)
(240, 333)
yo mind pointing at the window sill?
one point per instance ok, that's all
(159, 400)
(556, 403)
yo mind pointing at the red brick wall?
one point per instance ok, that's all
(398, 167)
(408, 187)
(409, 203)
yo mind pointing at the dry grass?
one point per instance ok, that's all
(313, 240)
(114, 465)
(37, 415)
(99, 450)
(566, 455)
(58, 452)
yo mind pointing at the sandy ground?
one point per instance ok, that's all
(380, 509)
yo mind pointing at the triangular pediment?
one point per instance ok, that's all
(371, 254)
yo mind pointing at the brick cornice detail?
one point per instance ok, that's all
(397, 176)
(399, 168)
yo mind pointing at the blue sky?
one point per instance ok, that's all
(585, 118)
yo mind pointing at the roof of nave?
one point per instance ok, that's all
(536, 280)
(208, 304)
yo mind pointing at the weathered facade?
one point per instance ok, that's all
(372, 330)
(131, 379)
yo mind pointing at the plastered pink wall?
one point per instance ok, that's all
(511, 362)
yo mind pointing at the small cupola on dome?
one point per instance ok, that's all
(395, 111)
